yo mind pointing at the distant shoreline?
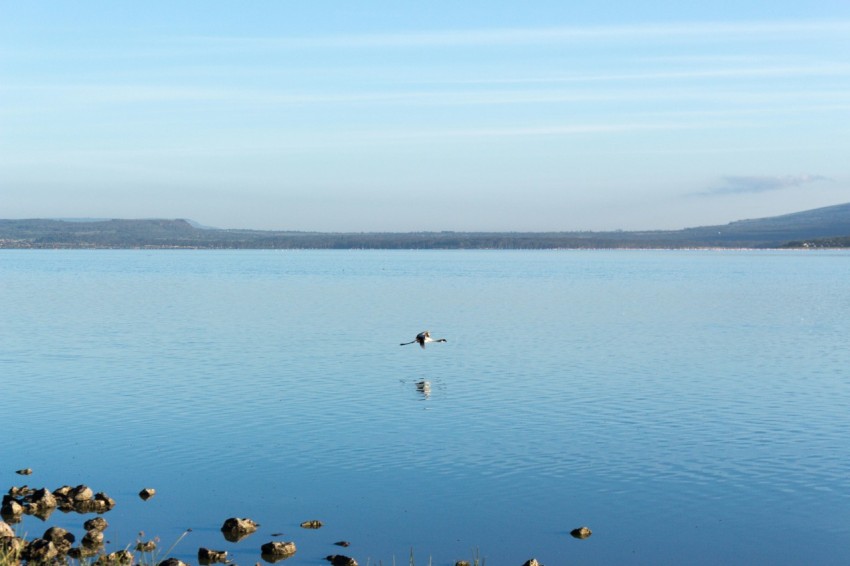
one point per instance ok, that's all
(827, 227)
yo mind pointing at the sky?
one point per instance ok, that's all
(405, 116)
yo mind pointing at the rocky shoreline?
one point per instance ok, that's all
(57, 545)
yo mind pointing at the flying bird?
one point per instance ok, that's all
(422, 338)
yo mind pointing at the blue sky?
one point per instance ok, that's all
(400, 116)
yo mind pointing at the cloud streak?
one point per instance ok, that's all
(733, 185)
(689, 31)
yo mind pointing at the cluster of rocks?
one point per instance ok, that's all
(237, 528)
(42, 502)
(56, 545)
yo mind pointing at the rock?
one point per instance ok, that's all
(532, 562)
(11, 508)
(207, 556)
(581, 533)
(172, 562)
(81, 493)
(342, 543)
(42, 499)
(311, 524)
(117, 558)
(23, 491)
(96, 524)
(61, 539)
(6, 530)
(341, 560)
(24, 472)
(63, 491)
(462, 563)
(92, 538)
(40, 551)
(235, 529)
(107, 501)
(147, 493)
(148, 546)
(275, 548)
(101, 503)
(79, 552)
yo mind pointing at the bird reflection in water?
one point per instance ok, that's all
(424, 387)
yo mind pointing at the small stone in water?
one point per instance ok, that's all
(311, 524)
(207, 556)
(81, 493)
(148, 546)
(341, 560)
(24, 472)
(275, 548)
(581, 533)
(147, 493)
(92, 538)
(96, 524)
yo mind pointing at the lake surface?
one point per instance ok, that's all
(690, 407)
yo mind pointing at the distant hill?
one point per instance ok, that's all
(822, 227)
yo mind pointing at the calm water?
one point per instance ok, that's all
(689, 407)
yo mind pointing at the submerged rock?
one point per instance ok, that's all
(277, 551)
(147, 493)
(311, 524)
(62, 492)
(342, 543)
(341, 560)
(92, 539)
(40, 551)
(146, 546)
(207, 556)
(79, 552)
(235, 529)
(81, 493)
(42, 499)
(118, 558)
(11, 508)
(581, 533)
(61, 539)
(96, 524)
(24, 472)
(532, 562)
(276, 548)
(22, 491)
(172, 562)
(103, 502)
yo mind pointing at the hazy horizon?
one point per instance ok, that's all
(481, 116)
(197, 224)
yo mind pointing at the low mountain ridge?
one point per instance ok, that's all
(821, 227)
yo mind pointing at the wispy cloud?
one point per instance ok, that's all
(760, 184)
(824, 69)
(545, 35)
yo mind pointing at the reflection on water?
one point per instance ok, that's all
(424, 387)
(701, 392)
